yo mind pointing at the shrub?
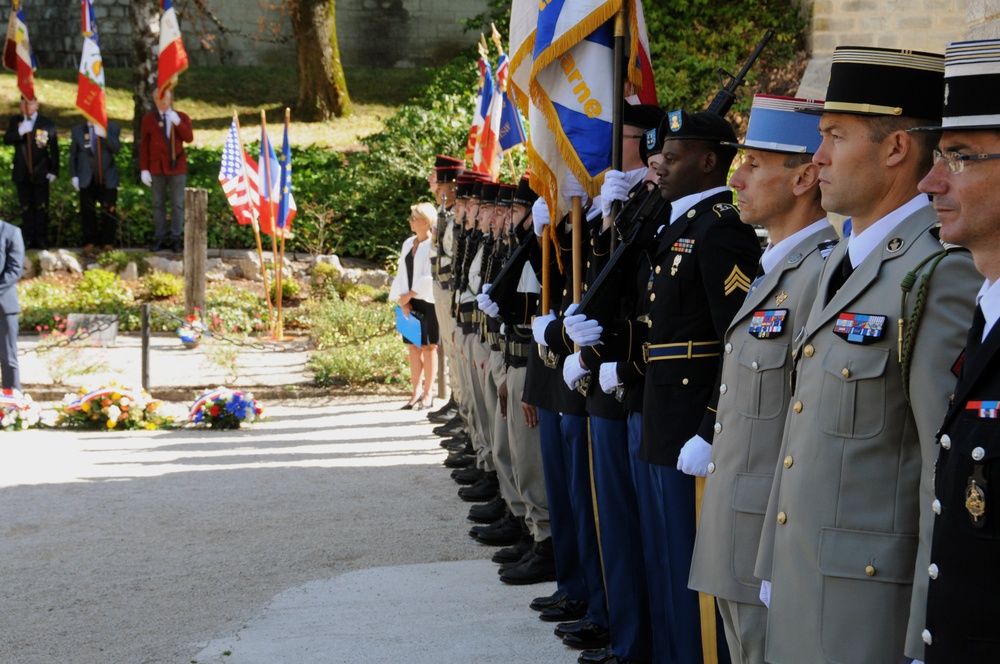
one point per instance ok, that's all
(161, 285)
(290, 289)
(100, 291)
(381, 360)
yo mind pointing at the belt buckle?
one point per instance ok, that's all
(645, 352)
(583, 385)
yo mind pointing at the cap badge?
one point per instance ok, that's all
(894, 245)
(675, 120)
(651, 139)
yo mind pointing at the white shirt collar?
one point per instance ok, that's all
(685, 203)
(775, 253)
(33, 117)
(860, 245)
(989, 300)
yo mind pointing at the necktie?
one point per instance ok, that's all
(976, 332)
(840, 276)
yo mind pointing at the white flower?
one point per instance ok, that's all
(114, 412)
(124, 401)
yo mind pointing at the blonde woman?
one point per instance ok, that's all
(412, 289)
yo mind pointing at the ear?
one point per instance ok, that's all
(896, 147)
(709, 161)
(806, 177)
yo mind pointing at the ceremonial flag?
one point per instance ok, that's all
(571, 90)
(640, 67)
(484, 98)
(286, 206)
(512, 131)
(268, 183)
(487, 158)
(90, 97)
(232, 174)
(173, 59)
(523, 19)
(17, 54)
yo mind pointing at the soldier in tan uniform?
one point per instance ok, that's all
(777, 187)
(842, 539)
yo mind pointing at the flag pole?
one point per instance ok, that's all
(277, 331)
(618, 110)
(577, 217)
(281, 241)
(255, 223)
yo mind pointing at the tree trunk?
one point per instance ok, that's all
(145, 19)
(322, 86)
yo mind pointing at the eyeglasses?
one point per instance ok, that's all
(632, 135)
(956, 160)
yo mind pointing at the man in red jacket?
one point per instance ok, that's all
(164, 165)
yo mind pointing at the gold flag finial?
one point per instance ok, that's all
(496, 38)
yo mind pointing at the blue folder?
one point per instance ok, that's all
(408, 327)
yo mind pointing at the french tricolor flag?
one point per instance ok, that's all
(173, 59)
(17, 54)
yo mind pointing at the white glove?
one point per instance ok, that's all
(694, 456)
(147, 178)
(538, 327)
(25, 126)
(173, 117)
(765, 593)
(572, 371)
(917, 661)
(609, 377)
(487, 306)
(51, 177)
(615, 188)
(571, 187)
(582, 330)
(76, 183)
(540, 216)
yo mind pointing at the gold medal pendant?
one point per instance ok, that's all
(975, 502)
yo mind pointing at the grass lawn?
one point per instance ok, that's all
(210, 94)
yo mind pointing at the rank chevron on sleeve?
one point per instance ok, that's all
(737, 280)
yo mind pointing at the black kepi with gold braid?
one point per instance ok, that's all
(884, 81)
(972, 85)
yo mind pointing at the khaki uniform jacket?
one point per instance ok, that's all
(843, 526)
(753, 402)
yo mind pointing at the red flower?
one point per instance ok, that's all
(214, 410)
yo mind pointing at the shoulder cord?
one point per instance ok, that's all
(908, 333)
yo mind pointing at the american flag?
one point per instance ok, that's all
(234, 174)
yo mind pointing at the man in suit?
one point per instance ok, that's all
(842, 541)
(964, 594)
(36, 165)
(777, 188)
(94, 174)
(11, 262)
(164, 166)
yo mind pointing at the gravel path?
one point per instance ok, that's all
(144, 547)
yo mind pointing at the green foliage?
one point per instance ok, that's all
(235, 310)
(161, 285)
(691, 39)
(380, 361)
(115, 259)
(290, 289)
(100, 291)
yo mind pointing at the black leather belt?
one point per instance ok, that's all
(685, 350)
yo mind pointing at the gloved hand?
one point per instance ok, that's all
(76, 183)
(571, 187)
(51, 177)
(540, 216)
(694, 456)
(765, 593)
(609, 377)
(615, 188)
(25, 127)
(572, 371)
(538, 327)
(147, 178)
(173, 117)
(582, 330)
(488, 306)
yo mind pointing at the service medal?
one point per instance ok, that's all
(975, 502)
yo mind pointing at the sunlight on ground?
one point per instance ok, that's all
(363, 434)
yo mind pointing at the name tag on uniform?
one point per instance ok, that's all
(683, 246)
(768, 324)
(987, 410)
(859, 328)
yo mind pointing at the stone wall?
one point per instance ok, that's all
(983, 19)
(371, 33)
(920, 25)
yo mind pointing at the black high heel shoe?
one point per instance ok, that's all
(413, 404)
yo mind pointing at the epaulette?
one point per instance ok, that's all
(825, 248)
(719, 208)
(948, 246)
